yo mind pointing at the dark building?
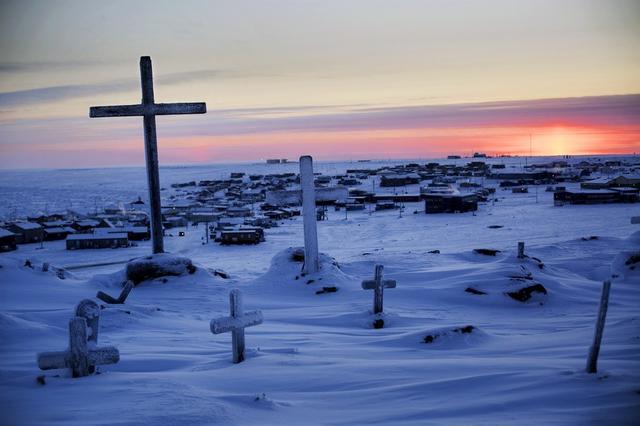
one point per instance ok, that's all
(450, 203)
(97, 241)
(55, 233)
(399, 179)
(596, 196)
(7, 240)
(26, 232)
(240, 236)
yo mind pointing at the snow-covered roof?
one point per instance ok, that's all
(88, 222)
(27, 225)
(5, 233)
(54, 229)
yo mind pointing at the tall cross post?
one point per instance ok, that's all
(148, 109)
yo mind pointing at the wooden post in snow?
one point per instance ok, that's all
(594, 350)
(236, 323)
(378, 285)
(521, 250)
(311, 261)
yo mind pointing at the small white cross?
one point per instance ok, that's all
(236, 323)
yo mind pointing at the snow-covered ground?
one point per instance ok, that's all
(316, 359)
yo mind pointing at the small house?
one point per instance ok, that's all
(7, 240)
(55, 233)
(240, 236)
(26, 232)
(97, 241)
(596, 196)
(393, 179)
(450, 203)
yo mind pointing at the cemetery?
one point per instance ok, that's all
(436, 317)
(165, 319)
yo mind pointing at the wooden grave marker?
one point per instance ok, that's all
(236, 323)
(79, 357)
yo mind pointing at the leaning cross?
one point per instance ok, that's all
(79, 357)
(128, 286)
(378, 285)
(148, 109)
(236, 323)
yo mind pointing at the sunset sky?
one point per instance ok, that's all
(334, 79)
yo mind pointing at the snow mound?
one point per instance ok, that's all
(158, 266)
(285, 271)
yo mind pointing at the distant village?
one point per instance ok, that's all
(237, 209)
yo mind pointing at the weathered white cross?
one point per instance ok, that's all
(79, 357)
(377, 284)
(148, 109)
(236, 323)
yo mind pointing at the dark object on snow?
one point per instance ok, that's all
(27, 264)
(487, 252)
(540, 264)
(379, 323)
(222, 274)
(524, 293)
(474, 291)
(121, 299)
(327, 290)
(40, 380)
(298, 255)
(467, 329)
(495, 226)
(158, 265)
(311, 281)
(434, 252)
(632, 260)
(591, 238)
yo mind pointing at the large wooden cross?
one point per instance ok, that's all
(148, 109)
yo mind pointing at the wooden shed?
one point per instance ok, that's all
(7, 240)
